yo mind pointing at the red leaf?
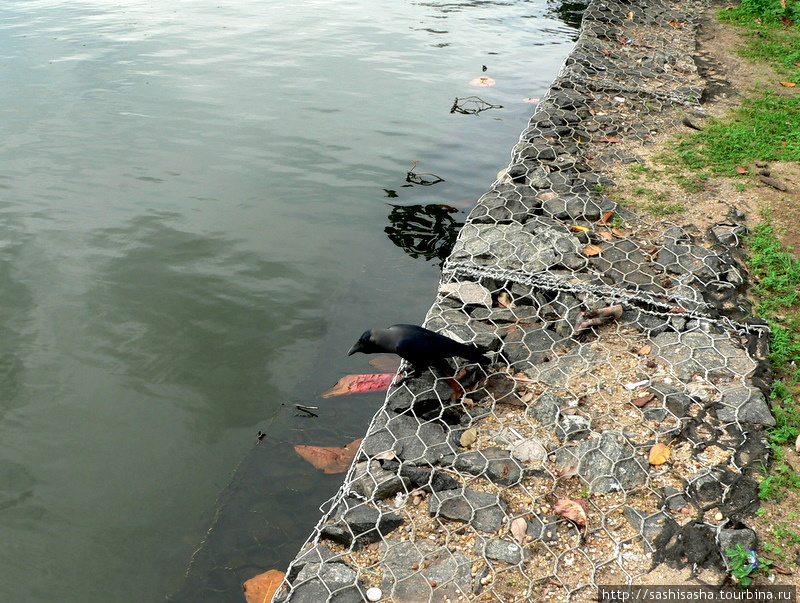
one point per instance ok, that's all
(330, 459)
(740, 170)
(356, 384)
(261, 588)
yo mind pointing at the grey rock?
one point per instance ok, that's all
(485, 512)
(672, 398)
(421, 442)
(572, 427)
(494, 463)
(571, 208)
(326, 582)
(426, 388)
(708, 354)
(500, 550)
(427, 478)
(623, 263)
(523, 348)
(607, 462)
(543, 527)
(371, 481)
(649, 525)
(745, 405)
(359, 521)
(706, 489)
(703, 263)
(422, 571)
(674, 498)
(531, 451)
(467, 292)
(545, 409)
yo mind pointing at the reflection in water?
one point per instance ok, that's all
(571, 13)
(427, 231)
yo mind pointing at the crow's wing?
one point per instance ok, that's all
(422, 346)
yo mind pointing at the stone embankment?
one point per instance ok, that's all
(620, 427)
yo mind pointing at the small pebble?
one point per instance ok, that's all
(718, 516)
(374, 594)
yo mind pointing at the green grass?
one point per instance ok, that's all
(765, 128)
(776, 275)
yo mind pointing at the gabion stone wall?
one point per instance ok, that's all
(618, 428)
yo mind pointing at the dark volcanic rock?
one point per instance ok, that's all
(485, 512)
(493, 463)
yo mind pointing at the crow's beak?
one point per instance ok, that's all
(356, 348)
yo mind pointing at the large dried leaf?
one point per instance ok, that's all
(261, 588)
(659, 454)
(519, 528)
(591, 250)
(573, 509)
(329, 459)
(356, 384)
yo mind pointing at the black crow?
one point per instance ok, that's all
(421, 347)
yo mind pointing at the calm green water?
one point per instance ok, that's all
(193, 197)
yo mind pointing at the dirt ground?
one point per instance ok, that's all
(730, 77)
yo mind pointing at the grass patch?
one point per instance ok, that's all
(765, 128)
(776, 276)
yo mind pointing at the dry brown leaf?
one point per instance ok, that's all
(261, 588)
(329, 459)
(621, 232)
(676, 24)
(628, 17)
(356, 384)
(577, 228)
(645, 349)
(504, 300)
(591, 250)
(740, 169)
(572, 508)
(787, 84)
(605, 235)
(610, 139)
(519, 528)
(607, 217)
(567, 471)
(659, 454)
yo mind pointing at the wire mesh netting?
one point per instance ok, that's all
(620, 423)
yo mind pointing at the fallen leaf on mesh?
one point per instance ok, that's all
(578, 228)
(676, 24)
(482, 81)
(740, 169)
(386, 364)
(593, 318)
(261, 588)
(659, 454)
(629, 16)
(607, 216)
(418, 497)
(388, 455)
(573, 509)
(567, 471)
(519, 528)
(329, 459)
(645, 349)
(609, 139)
(621, 232)
(591, 250)
(641, 400)
(605, 235)
(677, 310)
(504, 300)
(788, 84)
(502, 174)
(356, 384)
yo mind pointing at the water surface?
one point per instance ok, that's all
(193, 198)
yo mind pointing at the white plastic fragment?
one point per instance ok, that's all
(374, 594)
(633, 386)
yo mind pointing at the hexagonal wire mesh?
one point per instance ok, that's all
(621, 418)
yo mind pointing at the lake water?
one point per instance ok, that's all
(194, 199)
